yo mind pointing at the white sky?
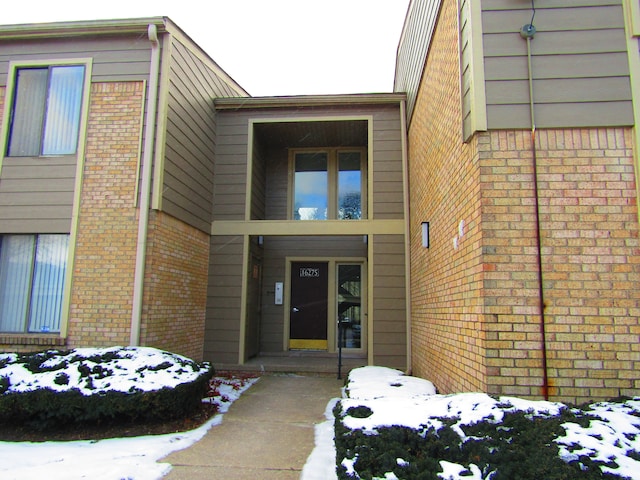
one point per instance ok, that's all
(270, 47)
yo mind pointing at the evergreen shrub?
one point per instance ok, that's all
(47, 408)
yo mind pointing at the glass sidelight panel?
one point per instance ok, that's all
(350, 305)
(349, 186)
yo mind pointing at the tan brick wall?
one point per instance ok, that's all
(510, 265)
(103, 273)
(446, 279)
(590, 257)
(476, 321)
(175, 292)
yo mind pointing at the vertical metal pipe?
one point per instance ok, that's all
(545, 377)
(145, 193)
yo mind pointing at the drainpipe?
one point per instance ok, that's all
(407, 231)
(527, 32)
(145, 187)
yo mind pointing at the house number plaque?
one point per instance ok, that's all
(309, 272)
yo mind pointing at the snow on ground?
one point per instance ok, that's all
(394, 398)
(134, 458)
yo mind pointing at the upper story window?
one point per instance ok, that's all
(45, 118)
(328, 184)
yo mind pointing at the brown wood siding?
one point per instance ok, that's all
(275, 251)
(258, 183)
(36, 194)
(389, 309)
(115, 58)
(230, 167)
(413, 48)
(222, 329)
(231, 159)
(387, 188)
(579, 62)
(190, 138)
(466, 68)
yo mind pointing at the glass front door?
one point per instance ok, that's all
(349, 305)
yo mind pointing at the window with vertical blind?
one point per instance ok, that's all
(32, 273)
(46, 110)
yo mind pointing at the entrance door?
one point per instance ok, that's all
(309, 297)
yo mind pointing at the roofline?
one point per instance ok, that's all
(83, 27)
(125, 26)
(235, 103)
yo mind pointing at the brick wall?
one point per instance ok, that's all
(446, 279)
(175, 293)
(101, 298)
(590, 263)
(476, 322)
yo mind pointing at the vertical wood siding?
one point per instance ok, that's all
(190, 137)
(413, 48)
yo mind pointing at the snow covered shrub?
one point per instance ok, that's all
(120, 384)
(393, 426)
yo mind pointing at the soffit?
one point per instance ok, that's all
(348, 133)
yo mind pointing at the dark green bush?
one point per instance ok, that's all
(520, 447)
(45, 408)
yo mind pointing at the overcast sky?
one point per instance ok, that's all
(270, 47)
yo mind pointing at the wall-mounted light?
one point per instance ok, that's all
(425, 234)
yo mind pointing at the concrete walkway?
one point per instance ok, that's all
(268, 433)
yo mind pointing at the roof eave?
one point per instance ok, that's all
(235, 103)
(79, 28)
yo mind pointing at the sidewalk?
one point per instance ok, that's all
(268, 433)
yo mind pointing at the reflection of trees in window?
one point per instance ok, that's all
(350, 208)
(327, 184)
(350, 305)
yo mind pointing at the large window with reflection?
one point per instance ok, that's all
(328, 184)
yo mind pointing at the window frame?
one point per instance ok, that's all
(33, 296)
(10, 93)
(332, 179)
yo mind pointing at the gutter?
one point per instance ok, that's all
(145, 191)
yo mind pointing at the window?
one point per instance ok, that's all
(350, 306)
(328, 185)
(45, 118)
(32, 273)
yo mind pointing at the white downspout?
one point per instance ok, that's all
(145, 187)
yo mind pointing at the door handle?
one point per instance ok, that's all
(295, 310)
